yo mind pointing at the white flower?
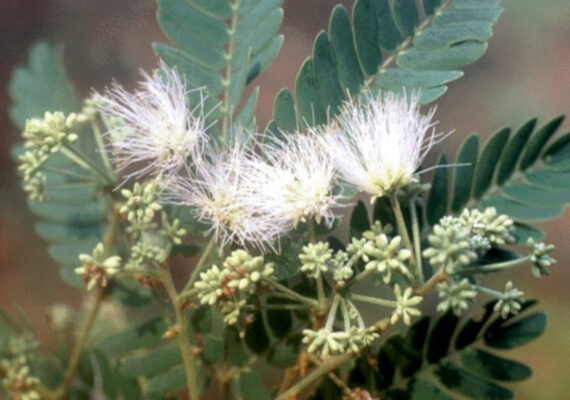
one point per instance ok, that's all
(218, 190)
(294, 178)
(155, 125)
(379, 146)
(405, 305)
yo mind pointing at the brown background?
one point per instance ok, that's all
(525, 73)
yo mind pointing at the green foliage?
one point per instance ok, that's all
(519, 174)
(356, 55)
(221, 46)
(458, 354)
(74, 216)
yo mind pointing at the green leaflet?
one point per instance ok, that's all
(421, 54)
(457, 351)
(221, 46)
(537, 192)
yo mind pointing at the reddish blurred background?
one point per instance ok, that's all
(525, 73)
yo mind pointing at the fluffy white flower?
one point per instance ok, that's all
(378, 145)
(218, 190)
(155, 126)
(294, 180)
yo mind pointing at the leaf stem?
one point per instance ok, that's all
(374, 300)
(200, 264)
(436, 278)
(417, 242)
(100, 145)
(83, 162)
(291, 294)
(401, 222)
(482, 269)
(80, 344)
(183, 337)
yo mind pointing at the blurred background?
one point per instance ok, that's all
(524, 74)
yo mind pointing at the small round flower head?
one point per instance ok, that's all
(540, 257)
(210, 286)
(387, 256)
(510, 302)
(218, 190)
(455, 296)
(155, 125)
(294, 178)
(405, 305)
(449, 246)
(314, 258)
(245, 271)
(97, 269)
(325, 342)
(379, 145)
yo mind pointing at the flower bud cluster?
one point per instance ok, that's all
(98, 268)
(314, 259)
(141, 202)
(510, 302)
(230, 286)
(540, 257)
(42, 138)
(17, 379)
(326, 342)
(456, 296)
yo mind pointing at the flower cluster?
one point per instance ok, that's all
(456, 296)
(314, 259)
(16, 376)
(510, 302)
(540, 257)
(96, 269)
(229, 286)
(44, 137)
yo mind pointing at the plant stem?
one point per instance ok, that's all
(183, 337)
(491, 267)
(374, 300)
(200, 264)
(436, 278)
(319, 278)
(318, 372)
(291, 294)
(417, 242)
(100, 145)
(401, 222)
(83, 162)
(80, 344)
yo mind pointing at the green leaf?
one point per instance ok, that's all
(520, 211)
(251, 387)
(470, 385)
(388, 36)
(395, 78)
(406, 16)
(366, 36)
(538, 141)
(453, 34)
(463, 175)
(329, 88)
(170, 380)
(306, 92)
(440, 337)
(256, 336)
(41, 86)
(142, 336)
(349, 71)
(359, 221)
(437, 203)
(153, 362)
(423, 389)
(430, 6)
(284, 111)
(513, 150)
(490, 366)
(442, 58)
(517, 333)
(488, 161)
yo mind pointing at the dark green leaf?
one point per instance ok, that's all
(463, 176)
(284, 111)
(280, 321)
(430, 6)
(406, 16)
(513, 150)
(490, 366)
(535, 196)
(142, 336)
(422, 389)
(154, 362)
(437, 203)
(440, 337)
(447, 36)
(523, 232)
(251, 387)
(359, 221)
(538, 141)
(471, 329)
(518, 333)
(520, 211)
(441, 58)
(470, 385)
(366, 35)
(170, 380)
(330, 91)
(308, 103)
(255, 334)
(388, 35)
(202, 319)
(488, 161)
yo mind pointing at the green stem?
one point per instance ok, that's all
(291, 294)
(101, 146)
(401, 222)
(79, 345)
(492, 267)
(322, 298)
(83, 162)
(200, 264)
(183, 337)
(374, 300)
(417, 242)
(489, 291)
